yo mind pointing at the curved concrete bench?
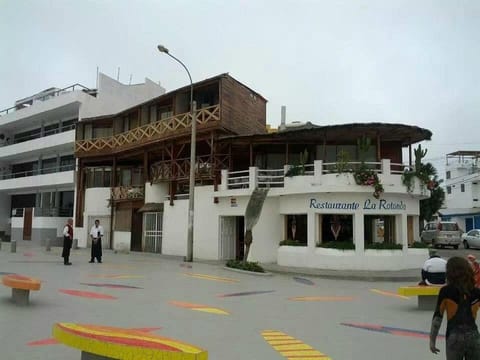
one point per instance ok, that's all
(21, 286)
(105, 342)
(427, 295)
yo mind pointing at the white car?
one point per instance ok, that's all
(471, 239)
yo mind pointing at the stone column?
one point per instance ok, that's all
(358, 233)
(311, 231)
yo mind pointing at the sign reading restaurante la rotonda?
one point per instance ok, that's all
(369, 204)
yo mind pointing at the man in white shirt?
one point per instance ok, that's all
(434, 270)
(96, 233)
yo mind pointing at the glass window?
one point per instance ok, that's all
(449, 189)
(449, 174)
(49, 166)
(462, 187)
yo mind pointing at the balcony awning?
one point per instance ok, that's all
(151, 207)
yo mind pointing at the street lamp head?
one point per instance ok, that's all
(162, 49)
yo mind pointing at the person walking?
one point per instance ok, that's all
(460, 300)
(96, 234)
(67, 242)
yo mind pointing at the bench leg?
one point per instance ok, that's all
(427, 302)
(20, 296)
(90, 356)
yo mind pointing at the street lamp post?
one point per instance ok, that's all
(193, 141)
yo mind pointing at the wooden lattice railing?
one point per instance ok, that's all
(127, 192)
(154, 131)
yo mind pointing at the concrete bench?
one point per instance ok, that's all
(105, 342)
(427, 295)
(21, 286)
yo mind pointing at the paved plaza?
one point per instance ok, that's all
(227, 313)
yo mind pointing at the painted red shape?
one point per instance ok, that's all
(43, 342)
(52, 341)
(87, 294)
(124, 341)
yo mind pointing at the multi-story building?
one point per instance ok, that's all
(134, 174)
(462, 189)
(37, 164)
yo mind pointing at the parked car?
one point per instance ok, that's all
(442, 233)
(471, 239)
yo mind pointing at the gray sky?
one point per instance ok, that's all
(330, 62)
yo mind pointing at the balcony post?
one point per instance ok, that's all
(386, 170)
(224, 180)
(252, 177)
(317, 171)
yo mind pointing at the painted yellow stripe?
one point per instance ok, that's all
(388, 293)
(211, 277)
(294, 349)
(284, 342)
(302, 353)
(211, 310)
(322, 298)
(301, 346)
(418, 290)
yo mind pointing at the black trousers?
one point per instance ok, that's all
(96, 252)
(67, 245)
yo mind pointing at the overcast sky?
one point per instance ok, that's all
(330, 62)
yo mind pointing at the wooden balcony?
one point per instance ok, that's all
(176, 125)
(128, 193)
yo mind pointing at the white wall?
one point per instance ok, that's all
(175, 228)
(121, 240)
(155, 193)
(114, 96)
(49, 223)
(64, 178)
(96, 204)
(5, 200)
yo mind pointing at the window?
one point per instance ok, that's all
(296, 228)
(98, 177)
(462, 187)
(49, 166)
(67, 163)
(449, 189)
(449, 174)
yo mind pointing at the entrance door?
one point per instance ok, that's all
(240, 239)
(410, 231)
(27, 224)
(136, 231)
(228, 226)
(152, 232)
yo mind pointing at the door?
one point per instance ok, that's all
(227, 237)
(468, 224)
(152, 232)
(240, 239)
(136, 231)
(27, 224)
(410, 231)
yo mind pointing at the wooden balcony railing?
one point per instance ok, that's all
(180, 169)
(154, 131)
(127, 192)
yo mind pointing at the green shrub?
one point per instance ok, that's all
(340, 245)
(419, 245)
(291, 243)
(384, 246)
(248, 266)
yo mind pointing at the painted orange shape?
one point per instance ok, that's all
(21, 282)
(199, 307)
(87, 294)
(291, 348)
(119, 343)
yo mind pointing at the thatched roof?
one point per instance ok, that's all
(345, 133)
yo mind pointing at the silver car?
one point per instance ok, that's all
(471, 239)
(442, 233)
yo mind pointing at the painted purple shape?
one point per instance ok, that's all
(391, 330)
(186, 266)
(112, 286)
(246, 293)
(303, 281)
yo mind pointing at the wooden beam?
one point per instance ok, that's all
(251, 154)
(146, 172)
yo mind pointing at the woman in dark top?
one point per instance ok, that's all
(460, 300)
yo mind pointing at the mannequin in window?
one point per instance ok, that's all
(335, 227)
(294, 227)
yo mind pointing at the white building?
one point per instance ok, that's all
(136, 179)
(37, 165)
(462, 194)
